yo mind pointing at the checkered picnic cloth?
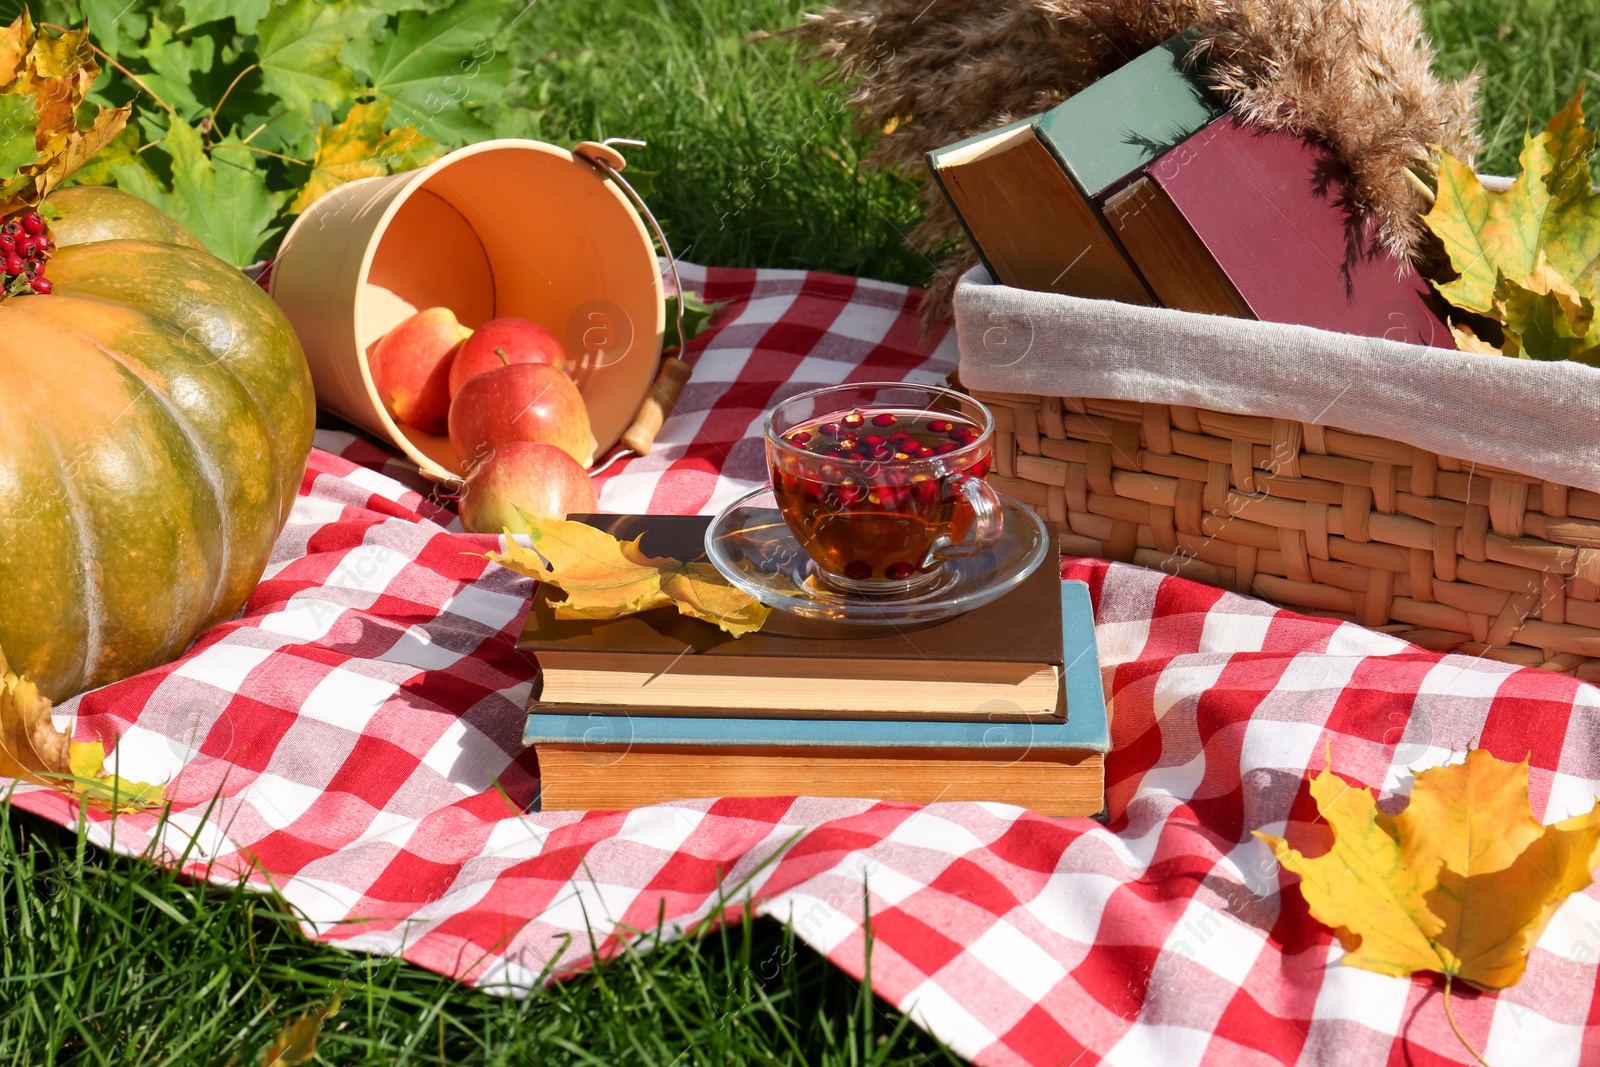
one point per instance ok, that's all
(358, 727)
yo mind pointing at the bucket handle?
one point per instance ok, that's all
(641, 435)
(606, 159)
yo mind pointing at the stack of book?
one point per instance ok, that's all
(1002, 703)
(1143, 189)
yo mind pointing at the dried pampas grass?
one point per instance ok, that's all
(1355, 73)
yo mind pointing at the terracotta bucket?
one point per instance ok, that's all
(500, 228)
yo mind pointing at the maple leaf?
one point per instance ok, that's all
(220, 198)
(1499, 874)
(1467, 340)
(43, 81)
(1545, 317)
(605, 578)
(1363, 885)
(1465, 865)
(122, 149)
(299, 44)
(1461, 882)
(33, 750)
(437, 63)
(696, 315)
(1551, 207)
(297, 1043)
(360, 148)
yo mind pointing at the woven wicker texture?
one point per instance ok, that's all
(1448, 554)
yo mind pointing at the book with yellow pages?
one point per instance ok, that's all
(999, 662)
(605, 759)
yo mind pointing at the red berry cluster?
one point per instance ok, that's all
(844, 439)
(24, 250)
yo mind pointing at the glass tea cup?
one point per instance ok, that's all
(882, 482)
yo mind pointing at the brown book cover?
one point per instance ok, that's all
(1056, 782)
(1009, 650)
(1035, 227)
(1174, 260)
(1274, 211)
(1026, 193)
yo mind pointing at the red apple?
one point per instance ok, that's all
(522, 402)
(499, 342)
(411, 367)
(539, 479)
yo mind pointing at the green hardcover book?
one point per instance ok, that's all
(1027, 192)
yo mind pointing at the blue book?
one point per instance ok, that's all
(1085, 727)
(602, 760)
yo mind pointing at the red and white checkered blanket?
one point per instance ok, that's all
(359, 723)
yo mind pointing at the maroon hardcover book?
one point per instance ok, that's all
(1274, 210)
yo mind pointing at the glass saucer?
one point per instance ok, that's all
(753, 548)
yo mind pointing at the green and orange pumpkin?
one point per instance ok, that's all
(156, 414)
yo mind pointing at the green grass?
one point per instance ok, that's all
(117, 962)
(111, 961)
(1533, 55)
(756, 159)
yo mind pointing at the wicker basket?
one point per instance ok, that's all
(1451, 555)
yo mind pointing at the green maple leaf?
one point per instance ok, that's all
(246, 13)
(1551, 206)
(117, 25)
(173, 65)
(696, 317)
(223, 199)
(436, 65)
(298, 46)
(17, 121)
(1547, 319)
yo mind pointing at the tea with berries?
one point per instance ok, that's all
(871, 491)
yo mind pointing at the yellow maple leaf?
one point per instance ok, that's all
(1363, 886)
(1499, 871)
(15, 40)
(1461, 882)
(297, 1043)
(53, 75)
(33, 750)
(1468, 340)
(605, 578)
(359, 147)
(1549, 209)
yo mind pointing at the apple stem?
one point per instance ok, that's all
(501, 352)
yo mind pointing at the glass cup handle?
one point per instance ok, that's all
(985, 533)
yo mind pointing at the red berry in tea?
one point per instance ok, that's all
(868, 505)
